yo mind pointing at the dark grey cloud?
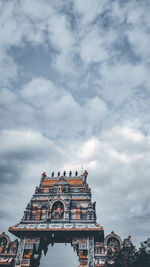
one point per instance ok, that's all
(8, 172)
(4, 215)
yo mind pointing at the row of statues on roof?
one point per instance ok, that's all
(64, 174)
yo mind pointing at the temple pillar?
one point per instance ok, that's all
(29, 252)
(85, 251)
(91, 251)
(20, 252)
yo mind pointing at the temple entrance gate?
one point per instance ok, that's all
(60, 211)
(59, 255)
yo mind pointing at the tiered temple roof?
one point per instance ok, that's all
(60, 203)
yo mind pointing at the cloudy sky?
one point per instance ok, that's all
(75, 91)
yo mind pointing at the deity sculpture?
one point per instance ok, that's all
(57, 212)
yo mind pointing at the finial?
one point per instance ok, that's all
(44, 174)
(70, 173)
(58, 173)
(76, 173)
(52, 174)
(85, 173)
(64, 173)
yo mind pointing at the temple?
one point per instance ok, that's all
(61, 211)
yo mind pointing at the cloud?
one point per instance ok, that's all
(40, 92)
(23, 144)
(93, 49)
(36, 10)
(59, 110)
(15, 113)
(60, 35)
(8, 69)
(90, 11)
(138, 19)
(84, 102)
(122, 82)
(20, 149)
(127, 139)
(116, 177)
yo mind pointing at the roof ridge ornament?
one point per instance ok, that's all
(44, 174)
(85, 173)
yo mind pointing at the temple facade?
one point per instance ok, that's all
(61, 211)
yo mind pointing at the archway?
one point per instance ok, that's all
(59, 255)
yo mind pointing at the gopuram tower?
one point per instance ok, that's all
(60, 211)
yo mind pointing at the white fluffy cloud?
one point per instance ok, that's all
(23, 143)
(92, 49)
(60, 35)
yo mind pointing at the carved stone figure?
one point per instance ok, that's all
(57, 211)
